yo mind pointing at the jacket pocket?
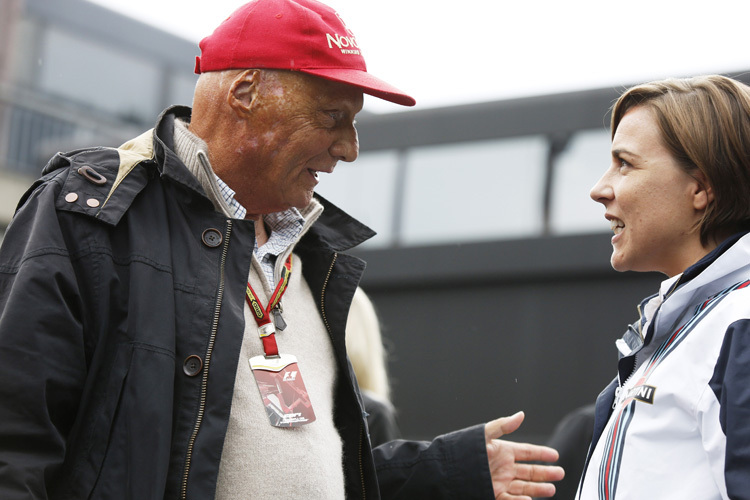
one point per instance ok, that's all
(136, 461)
(121, 450)
(87, 444)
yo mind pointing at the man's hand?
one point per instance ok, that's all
(512, 480)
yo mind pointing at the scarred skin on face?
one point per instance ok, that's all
(271, 133)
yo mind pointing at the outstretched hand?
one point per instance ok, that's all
(511, 479)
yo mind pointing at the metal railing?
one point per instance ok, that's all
(34, 126)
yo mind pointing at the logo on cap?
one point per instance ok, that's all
(347, 44)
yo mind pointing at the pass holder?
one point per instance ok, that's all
(277, 375)
(283, 390)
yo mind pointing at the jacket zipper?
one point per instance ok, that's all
(669, 293)
(361, 468)
(621, 383)
(209, 350)
(330, 334)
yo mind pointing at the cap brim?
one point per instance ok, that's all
(369, 84)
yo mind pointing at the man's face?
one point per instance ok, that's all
(301, 126)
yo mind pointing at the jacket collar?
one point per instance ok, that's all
(338, 229)
(726, 265)
(169, 164)
(697, 268)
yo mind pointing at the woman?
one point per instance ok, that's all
(675, 423)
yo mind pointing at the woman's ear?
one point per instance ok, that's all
(703, 195)
(243, 92)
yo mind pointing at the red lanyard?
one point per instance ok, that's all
(266, 328)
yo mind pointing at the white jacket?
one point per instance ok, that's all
(675, 423)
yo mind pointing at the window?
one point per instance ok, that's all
(99, 76)
(576, 171)
(474, 191)
(366, 189)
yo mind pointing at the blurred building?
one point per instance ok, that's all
(74, 74)
(491, 267)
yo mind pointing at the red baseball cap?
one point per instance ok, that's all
(296, 35)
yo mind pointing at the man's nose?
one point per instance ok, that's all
(346, 146)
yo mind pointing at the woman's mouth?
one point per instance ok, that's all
(616, 225)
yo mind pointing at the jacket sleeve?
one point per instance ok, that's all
(42, 360)
(730, 384)
(453, 465)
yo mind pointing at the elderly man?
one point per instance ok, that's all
(144, 349)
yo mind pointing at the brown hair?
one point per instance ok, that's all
(705, 123)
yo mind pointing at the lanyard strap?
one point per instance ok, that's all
(266, 328)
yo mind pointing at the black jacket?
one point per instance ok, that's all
(121, 291)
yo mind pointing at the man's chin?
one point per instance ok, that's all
(303, 202)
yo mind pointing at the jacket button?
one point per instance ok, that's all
(212, 237)
(192, 365)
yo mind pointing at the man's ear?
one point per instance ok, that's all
(243, 92)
